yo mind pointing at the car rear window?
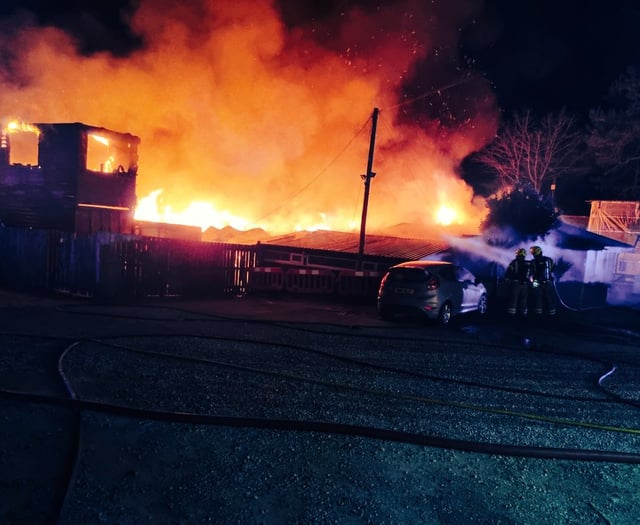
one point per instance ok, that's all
(409, 275)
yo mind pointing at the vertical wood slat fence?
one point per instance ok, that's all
(106, 265)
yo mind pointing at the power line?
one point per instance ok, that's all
(322, 171)
(433, 92)
(341, 152)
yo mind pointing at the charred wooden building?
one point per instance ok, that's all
(68, 177)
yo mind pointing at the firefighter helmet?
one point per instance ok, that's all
(536, 250)
(521, 252)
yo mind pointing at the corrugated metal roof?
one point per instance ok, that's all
(581, 221)
(378, 245)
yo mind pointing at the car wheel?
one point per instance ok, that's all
(445, 314)
(483, 305)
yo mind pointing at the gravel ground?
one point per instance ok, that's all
(313, 412)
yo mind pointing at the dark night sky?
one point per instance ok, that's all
(538, 54)
(554, 53)
(542, 54)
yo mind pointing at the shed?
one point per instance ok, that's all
(68, 177)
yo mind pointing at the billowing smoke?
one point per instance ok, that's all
(584, 265)
(270, 122)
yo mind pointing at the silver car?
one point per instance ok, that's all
(435, 289)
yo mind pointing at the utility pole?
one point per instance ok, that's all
(367, 183)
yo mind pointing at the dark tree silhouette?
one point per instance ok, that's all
(518, 214)
(615, 138)
(533, 151)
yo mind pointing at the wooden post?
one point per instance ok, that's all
(367, 183)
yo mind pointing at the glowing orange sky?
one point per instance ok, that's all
(259, 122)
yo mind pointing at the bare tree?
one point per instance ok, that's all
(533, 151)
(615, 137)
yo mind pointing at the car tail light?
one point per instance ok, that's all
(433, 283)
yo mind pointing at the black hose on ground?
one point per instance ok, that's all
(333, 428)
(73, 457)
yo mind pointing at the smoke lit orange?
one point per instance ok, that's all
(249, 123)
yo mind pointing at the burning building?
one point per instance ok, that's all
(253, 120)
(70, 177)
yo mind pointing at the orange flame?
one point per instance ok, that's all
(15, 126)
(247, 122)
(446, 215)
(197, 213)
(102, 140)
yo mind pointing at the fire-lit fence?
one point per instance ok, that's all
(343, 283)
(164, 267)
(120, 266)
(116, 266)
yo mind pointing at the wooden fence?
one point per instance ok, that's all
(108, 265)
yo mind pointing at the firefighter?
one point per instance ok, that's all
(517, 277)
(542, 282)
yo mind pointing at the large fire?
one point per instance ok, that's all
(15, 126)
(248, 122)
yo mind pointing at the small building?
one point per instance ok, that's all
(68, 177)
(618, 220)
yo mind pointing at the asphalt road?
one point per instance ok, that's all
(293, 410)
